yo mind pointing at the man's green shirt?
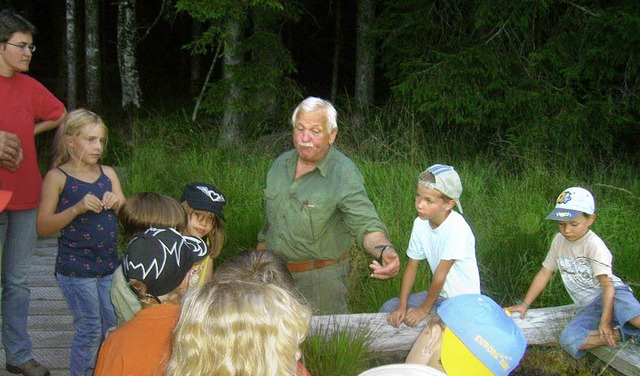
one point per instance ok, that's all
(319, 215)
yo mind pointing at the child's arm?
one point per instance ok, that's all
(115, 198)
(48, 221)
(396, 317)
(608, 293)
(539, 283)
(415, 315)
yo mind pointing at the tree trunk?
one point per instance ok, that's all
(365, 53)
(195, 61)
(230, 134)
(127, 43)
(336, 50)
(92, 54)
(71, 54)
(267, 24)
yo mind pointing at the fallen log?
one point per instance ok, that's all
(542, 326)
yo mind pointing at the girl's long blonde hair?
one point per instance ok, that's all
(71, 127)
(238, 328)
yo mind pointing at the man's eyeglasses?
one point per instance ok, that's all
(24, 47)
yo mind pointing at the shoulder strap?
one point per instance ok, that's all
(61, 170)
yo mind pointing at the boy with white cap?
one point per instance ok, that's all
(609, 311)
(442, 237)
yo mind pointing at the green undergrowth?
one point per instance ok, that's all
(507, 195)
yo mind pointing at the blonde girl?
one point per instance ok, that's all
(239, 328)
(80, 198)
(204, 205)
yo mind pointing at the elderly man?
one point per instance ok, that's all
(316, 205)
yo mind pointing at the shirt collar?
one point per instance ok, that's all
(322, 166)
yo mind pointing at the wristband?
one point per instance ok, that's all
(520, 301)
(383, 246)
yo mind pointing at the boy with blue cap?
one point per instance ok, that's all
(609, 311)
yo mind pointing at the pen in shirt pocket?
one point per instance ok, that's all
(306, 203)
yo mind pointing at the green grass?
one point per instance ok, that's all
(505, 200)
(325, 355)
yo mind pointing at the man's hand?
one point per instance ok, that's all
(10, 151)
(390, 265)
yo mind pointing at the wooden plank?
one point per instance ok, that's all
(624, 359)
(48, 307)
(53, 358)
(46, 293)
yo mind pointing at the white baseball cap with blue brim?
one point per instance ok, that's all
(447, 182)
(571, 203)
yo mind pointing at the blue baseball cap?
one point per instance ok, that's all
(480, 338)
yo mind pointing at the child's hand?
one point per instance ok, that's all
(607, 334)
(89, 203)
(522, 308)
(110, 200)
(396, 317)
(414, 316)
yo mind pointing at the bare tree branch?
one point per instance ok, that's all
(160, 13)
(206, 82)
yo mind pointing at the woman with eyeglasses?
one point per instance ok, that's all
(27, 109)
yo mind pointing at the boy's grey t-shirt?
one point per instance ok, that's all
(452, 240)
(579, 263)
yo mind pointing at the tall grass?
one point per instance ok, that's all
(507, 195)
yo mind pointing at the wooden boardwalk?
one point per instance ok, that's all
(50, 321)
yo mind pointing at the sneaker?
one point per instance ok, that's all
(29, 368)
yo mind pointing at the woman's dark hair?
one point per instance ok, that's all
(11, 22)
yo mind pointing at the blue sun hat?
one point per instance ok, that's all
(480, 338)
(571, 203)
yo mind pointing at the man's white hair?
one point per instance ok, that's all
(311, 104)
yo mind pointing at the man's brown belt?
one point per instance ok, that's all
(304, 266)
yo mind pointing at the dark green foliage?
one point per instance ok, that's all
(556, 77)
(264, 75)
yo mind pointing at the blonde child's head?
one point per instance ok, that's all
(75, 123)
(149, 209)
(238, 328)
(444, 179)
(258, 266)
(204, 205)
